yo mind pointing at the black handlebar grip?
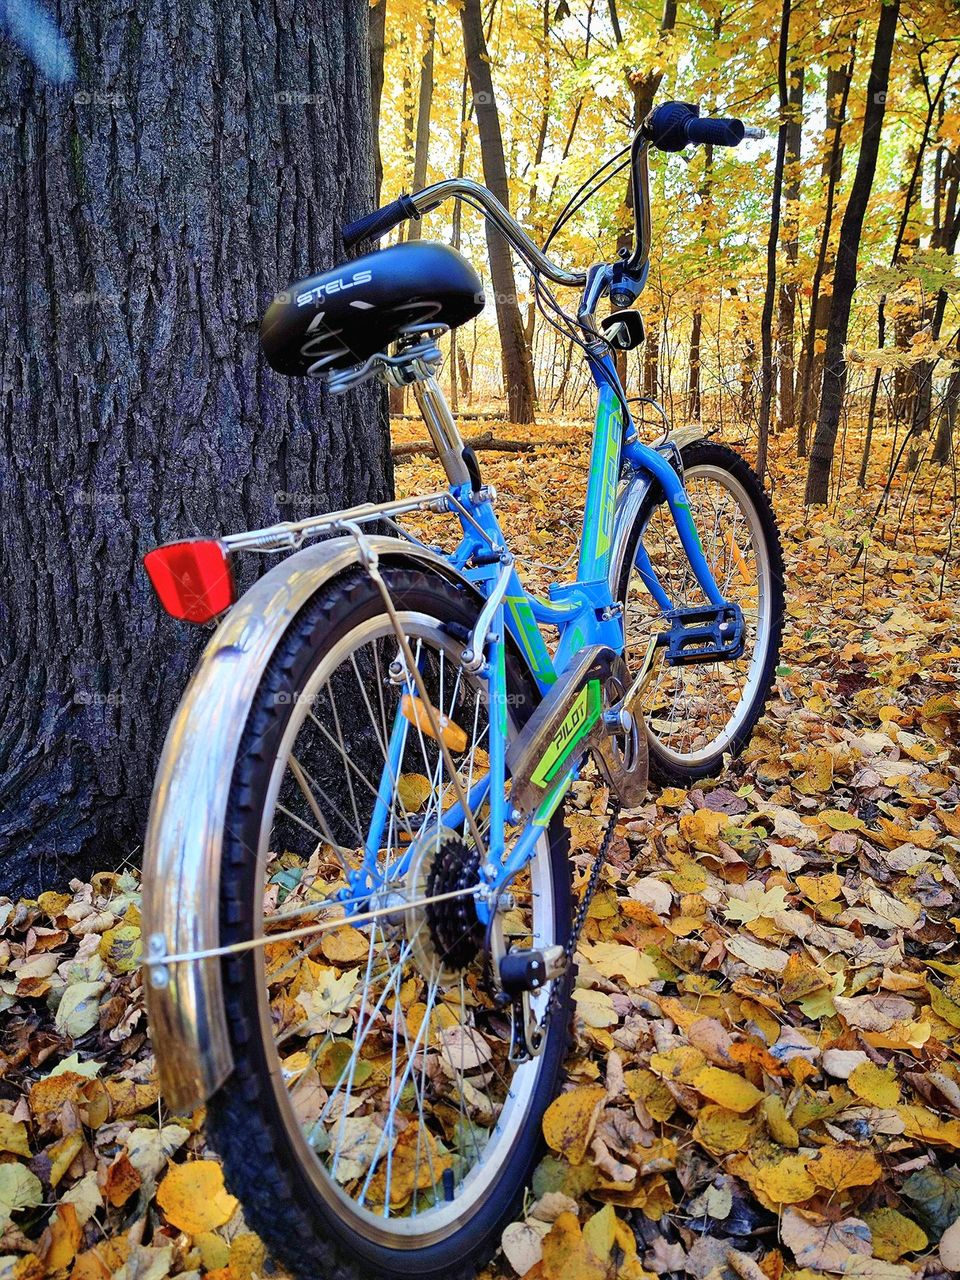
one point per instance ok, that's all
(373, 225)
(674, 125)
(717, 133)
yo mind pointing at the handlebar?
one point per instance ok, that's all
(374, 225)
(669, 127)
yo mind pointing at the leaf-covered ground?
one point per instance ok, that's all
(765, 1080)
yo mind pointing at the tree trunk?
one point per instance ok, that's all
(421, 149)
(152, 209)
(787, 302)
(944, 236)
(766, 320)
(693, 379)
(946, 430)
(947, 233)
(378, 23)
(517, 365)
(838, 91)
(845, 274)
(651, 361)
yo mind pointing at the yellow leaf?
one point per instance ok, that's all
(13, 1136)
(612, 959)
(702, 829)
(128, 1097)
(599, 1231)
(894, 1235)
(567, 1256)
(214, 1250)
(122, 948)
(596, 1008)
(820, 889)
(874, 1085)
(62, 1155)
(942, 1005)
(680, 1064)
(722, 1132)
(726, 1089)
(838, 1168)
(345, 945)
(193, 1197)
(837, 820)
(100, 1262)
(414, 790)
(781, 1130)
(247, 1255)
(569, 1121)
(787, 1181)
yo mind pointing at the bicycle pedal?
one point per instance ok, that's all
(703, 634)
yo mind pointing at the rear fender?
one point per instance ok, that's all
(183, 847)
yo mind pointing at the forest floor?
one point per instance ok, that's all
(765, 1080)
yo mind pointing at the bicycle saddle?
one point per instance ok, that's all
(342, 317)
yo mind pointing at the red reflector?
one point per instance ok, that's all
(193, 580)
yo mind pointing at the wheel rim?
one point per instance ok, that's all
(408, 1143)
(693, 713)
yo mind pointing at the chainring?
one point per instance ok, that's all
(621, 751)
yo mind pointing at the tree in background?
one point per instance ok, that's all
(204, 158)
(845, 275)
(517, 365)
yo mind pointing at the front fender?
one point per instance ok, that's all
(182, 850)
(629, 501)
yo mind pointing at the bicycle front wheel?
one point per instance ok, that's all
(696, 713)
(374, 1123)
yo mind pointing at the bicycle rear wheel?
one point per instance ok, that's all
(373, 1124)
(697, 713)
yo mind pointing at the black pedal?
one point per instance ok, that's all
(704, 634)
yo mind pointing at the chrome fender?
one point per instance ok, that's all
(182, 849)
(630, 499)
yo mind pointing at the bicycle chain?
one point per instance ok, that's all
(580, 918)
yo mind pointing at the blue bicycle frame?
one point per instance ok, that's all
(583, 612)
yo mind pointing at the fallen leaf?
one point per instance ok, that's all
(569, 1121)
(193, 1197)
(822, 1245)
(726, 1089)
(839, 1168)
(894, 1234)
(19, 1189)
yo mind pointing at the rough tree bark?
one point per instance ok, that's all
(517, 364)
(378, 47)
(845, 275)
(787, 301)
(203, 159)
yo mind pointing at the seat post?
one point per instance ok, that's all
(444, 432)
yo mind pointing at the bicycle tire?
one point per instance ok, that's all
(701, 456)
(248, 1128)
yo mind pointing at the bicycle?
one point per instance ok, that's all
(357, 896)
